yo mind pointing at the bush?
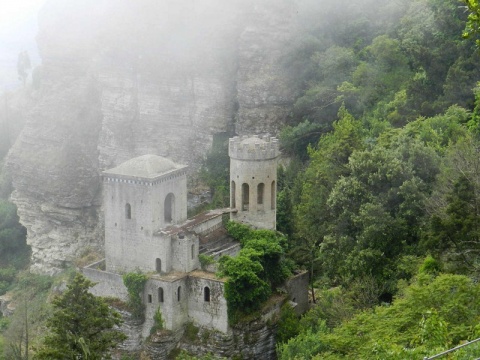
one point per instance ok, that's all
(158, 323)
(205, 260)
(288, 325)
(135, 283)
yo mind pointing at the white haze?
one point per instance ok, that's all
(18, 28)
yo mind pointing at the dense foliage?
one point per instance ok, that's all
(384, 137)
(135, 283)
(256, 272)
(21, 331)
(430, 315)
(389, 62)
(82, 326)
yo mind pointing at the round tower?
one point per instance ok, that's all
(253, 180)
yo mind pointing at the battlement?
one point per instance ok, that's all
(253, 148)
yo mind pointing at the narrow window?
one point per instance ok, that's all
(178, 293)
(158, 265)
(206, 294)
(168, 208)
(160, 294)
(193, 251)
(273, 195)
(128, 211)
(260, 190)
(233, 192)
(149, 298)
(245, 196)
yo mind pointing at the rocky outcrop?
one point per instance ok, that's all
(254, 339)
(123, 78)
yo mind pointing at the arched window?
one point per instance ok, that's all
(160, 294)
(128, 211)
(245, 196)
(273, 195)
(158, 265)
(260, 191)
(206, 294)
(233, 203)
(168, 208)
(193, 251)
(179, 290)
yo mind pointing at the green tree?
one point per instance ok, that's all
(429, 316)
(82, 326)
(454, 208)
(135, 283)
(13, 247)
(288, 325)
(328, 162)
(245, 291)
(472, 28)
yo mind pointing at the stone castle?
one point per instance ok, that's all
(146, 229)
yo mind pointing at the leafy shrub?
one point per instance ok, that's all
(135, 283)
(288, 325)
(205, 260)
(245, 291)
(158, 322)
(433, 314)
(191, 331)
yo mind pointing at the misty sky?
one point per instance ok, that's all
(18, 28)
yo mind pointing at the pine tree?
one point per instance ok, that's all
(82, 327)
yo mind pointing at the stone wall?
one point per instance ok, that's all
(174, 307)
(108, 284)
(297, 288)
(133, 238)
(253, 173)
(185, 249)
(211, 311)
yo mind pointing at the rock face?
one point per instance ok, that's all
(251, 340)
(120, 79)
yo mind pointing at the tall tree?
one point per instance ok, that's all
(82, 327)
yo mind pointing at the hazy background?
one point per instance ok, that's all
(18, 28)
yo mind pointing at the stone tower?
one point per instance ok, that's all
(253, 180)
(141, 197)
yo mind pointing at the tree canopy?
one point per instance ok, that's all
(82, 326)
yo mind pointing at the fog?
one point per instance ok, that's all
(146, 34)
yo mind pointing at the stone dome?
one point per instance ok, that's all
(145, 166)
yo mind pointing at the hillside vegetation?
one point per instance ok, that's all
(384, 208)
(380, 201)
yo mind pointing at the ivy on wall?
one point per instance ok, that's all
(135, 283)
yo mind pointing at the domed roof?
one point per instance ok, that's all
(146, 166)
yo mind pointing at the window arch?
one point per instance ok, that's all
(128, 211)
(158, 265)
(160, 294)
(245, 196)
(260, 191)
(179, 290)
(233, 203)
(273, 195)
(206, 294)
(168, 208)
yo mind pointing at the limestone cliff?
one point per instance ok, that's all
(123, 78)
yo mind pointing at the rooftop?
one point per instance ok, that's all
(145, 166)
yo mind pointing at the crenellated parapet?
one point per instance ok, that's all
(253, 148)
